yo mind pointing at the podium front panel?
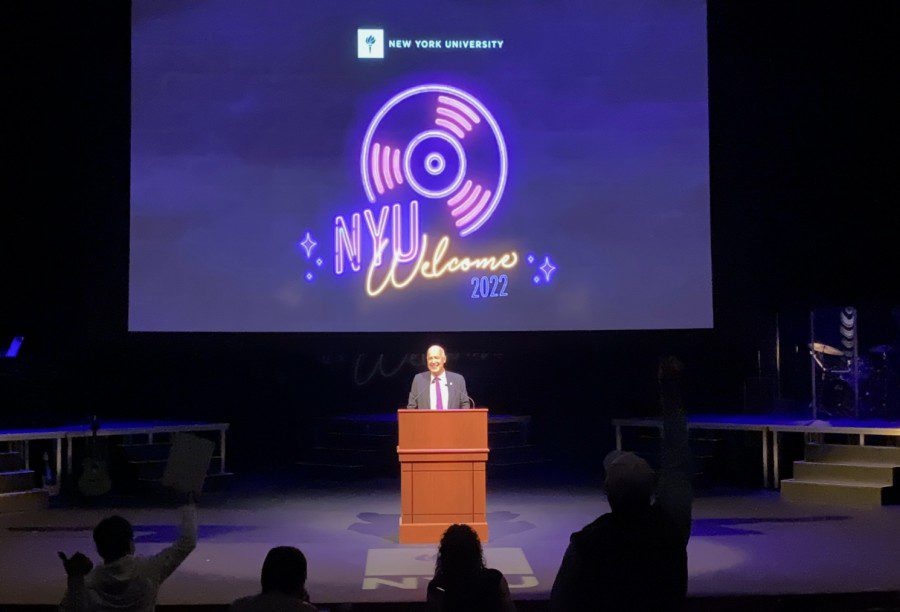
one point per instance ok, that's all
(442, 492)
(442, 460)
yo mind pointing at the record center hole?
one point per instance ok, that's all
(434, 163)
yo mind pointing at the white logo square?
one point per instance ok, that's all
(369, 44)
(420, 561)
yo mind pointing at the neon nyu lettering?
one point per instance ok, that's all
(348, 239)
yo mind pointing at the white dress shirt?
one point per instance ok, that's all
(445, 392)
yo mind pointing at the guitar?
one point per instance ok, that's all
(94, 475)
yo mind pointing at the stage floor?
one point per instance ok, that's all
(744, 542)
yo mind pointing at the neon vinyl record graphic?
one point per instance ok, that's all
(441, 143)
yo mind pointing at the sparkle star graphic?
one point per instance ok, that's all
(308, 245)
(547, 268)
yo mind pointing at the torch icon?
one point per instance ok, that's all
(370, 40)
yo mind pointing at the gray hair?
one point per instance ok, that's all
(437, 346)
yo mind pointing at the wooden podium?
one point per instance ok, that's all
(442, 479)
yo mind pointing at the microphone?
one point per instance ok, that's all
(471, 400)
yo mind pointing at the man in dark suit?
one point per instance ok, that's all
(438, 389)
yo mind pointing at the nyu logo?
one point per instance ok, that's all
(409, 569)
(369, 44)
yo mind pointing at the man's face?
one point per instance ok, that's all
(436, 360)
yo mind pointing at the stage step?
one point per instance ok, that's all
(845, 474)
(17, 480)
(11, 461)
(851, 453)
(869, 473)
(836, 493)
(24, 501)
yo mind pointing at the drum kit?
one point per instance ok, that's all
(866, 376)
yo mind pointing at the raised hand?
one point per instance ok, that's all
(77, 565)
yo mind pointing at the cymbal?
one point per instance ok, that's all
(820, 347)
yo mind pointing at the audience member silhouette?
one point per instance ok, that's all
(283, 584)
(124, 582)
(635, 557)
(461, 582)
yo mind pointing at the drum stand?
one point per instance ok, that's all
(848, 371)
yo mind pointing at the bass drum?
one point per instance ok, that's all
(878, 389)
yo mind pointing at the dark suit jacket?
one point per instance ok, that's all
(420, 396)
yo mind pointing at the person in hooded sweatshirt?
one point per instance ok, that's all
(635, 557)
(124, 581)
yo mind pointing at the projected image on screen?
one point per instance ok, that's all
(410, 166)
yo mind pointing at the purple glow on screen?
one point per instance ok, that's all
(273, 170)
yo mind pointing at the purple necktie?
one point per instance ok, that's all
(437, 393)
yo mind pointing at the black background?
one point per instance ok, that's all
(803, 133)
